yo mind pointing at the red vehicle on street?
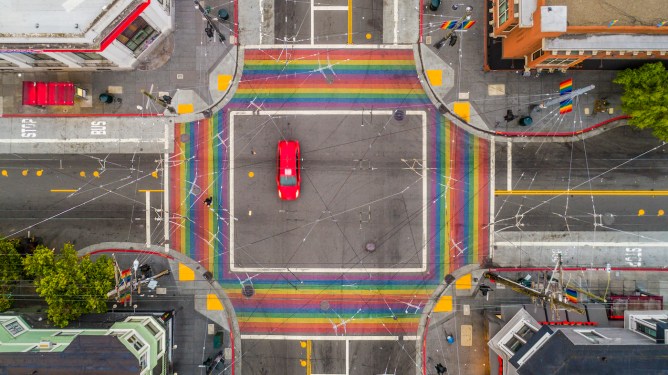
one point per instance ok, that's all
(288, 166)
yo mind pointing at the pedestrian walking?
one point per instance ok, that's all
(208, 201)
(440, 369)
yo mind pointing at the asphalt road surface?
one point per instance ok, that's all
(356, 188)
(620, 159)
(83, 199)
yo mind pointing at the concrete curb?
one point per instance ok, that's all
(420, 343)
(498, 136)
(178, 257)
(199, 114)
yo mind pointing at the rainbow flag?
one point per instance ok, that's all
(571, 295)
(448, 25)
(565, 88)
(126, 276)
(612, 23)
(125, 296)
(466, 25)
(662, 23)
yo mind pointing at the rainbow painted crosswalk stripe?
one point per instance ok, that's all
(328, 304)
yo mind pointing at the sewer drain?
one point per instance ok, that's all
(248, 291)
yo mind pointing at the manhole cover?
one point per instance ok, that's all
(608, 218)
(248, 291)
(185, 138)
(196, 190)
(324, 305)
(399, 114)
(370, 246)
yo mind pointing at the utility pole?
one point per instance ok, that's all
(158, 101)
(209, 20)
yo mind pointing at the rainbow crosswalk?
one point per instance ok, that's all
(353, 304)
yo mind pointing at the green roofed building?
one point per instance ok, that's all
(133, 346)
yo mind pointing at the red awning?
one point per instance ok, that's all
(48, 93)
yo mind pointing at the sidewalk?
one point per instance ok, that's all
(457, 74)
(205, 322)
(181, 67)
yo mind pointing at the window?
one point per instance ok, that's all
(503, 11)
(514, 344)
(519, 338)
(67, 333)
(38, 56)
(143, 361)
(646, 330)
(14, 327)
(136, 33)
(558, 61)
(537, 54)
(89, 56)
(135, 342)
(592, 335)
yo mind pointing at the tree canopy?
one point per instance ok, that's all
(645, 97)
(10, 271)
(70, 285)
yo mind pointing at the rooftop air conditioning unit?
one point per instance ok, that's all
(45, 345)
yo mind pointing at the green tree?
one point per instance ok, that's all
(70, 285)
(10, 271)
(645, 97)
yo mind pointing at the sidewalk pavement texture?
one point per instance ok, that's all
(189, 280)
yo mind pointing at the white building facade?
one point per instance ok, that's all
(81, 35)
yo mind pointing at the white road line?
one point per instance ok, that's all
(230, 185)
(312, 23)
(509, 166)
(165, 187)
(148, 218)
(396, 21)
(409, 338)
(492, 189)
(319, 338)
(423, 267)
(331, 46)
(330, 7)
(520, 243)
(81, 140)
(347, 357)
(424, 189)
(261, 4)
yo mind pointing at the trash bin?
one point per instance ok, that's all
(106, 98)
(526, 121)
(434, 4)
(223, 15)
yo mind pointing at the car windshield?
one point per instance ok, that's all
(288, 181)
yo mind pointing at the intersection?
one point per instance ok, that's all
(400, 188)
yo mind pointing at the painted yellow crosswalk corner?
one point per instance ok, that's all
(444, 304)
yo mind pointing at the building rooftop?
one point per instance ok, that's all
(55, 24)
(49, 16)
(559, 355)
(607, 42)
(602, 12)
(85, 355)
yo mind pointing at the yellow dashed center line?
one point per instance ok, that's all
(350, 21)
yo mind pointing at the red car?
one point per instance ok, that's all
(288, 176)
